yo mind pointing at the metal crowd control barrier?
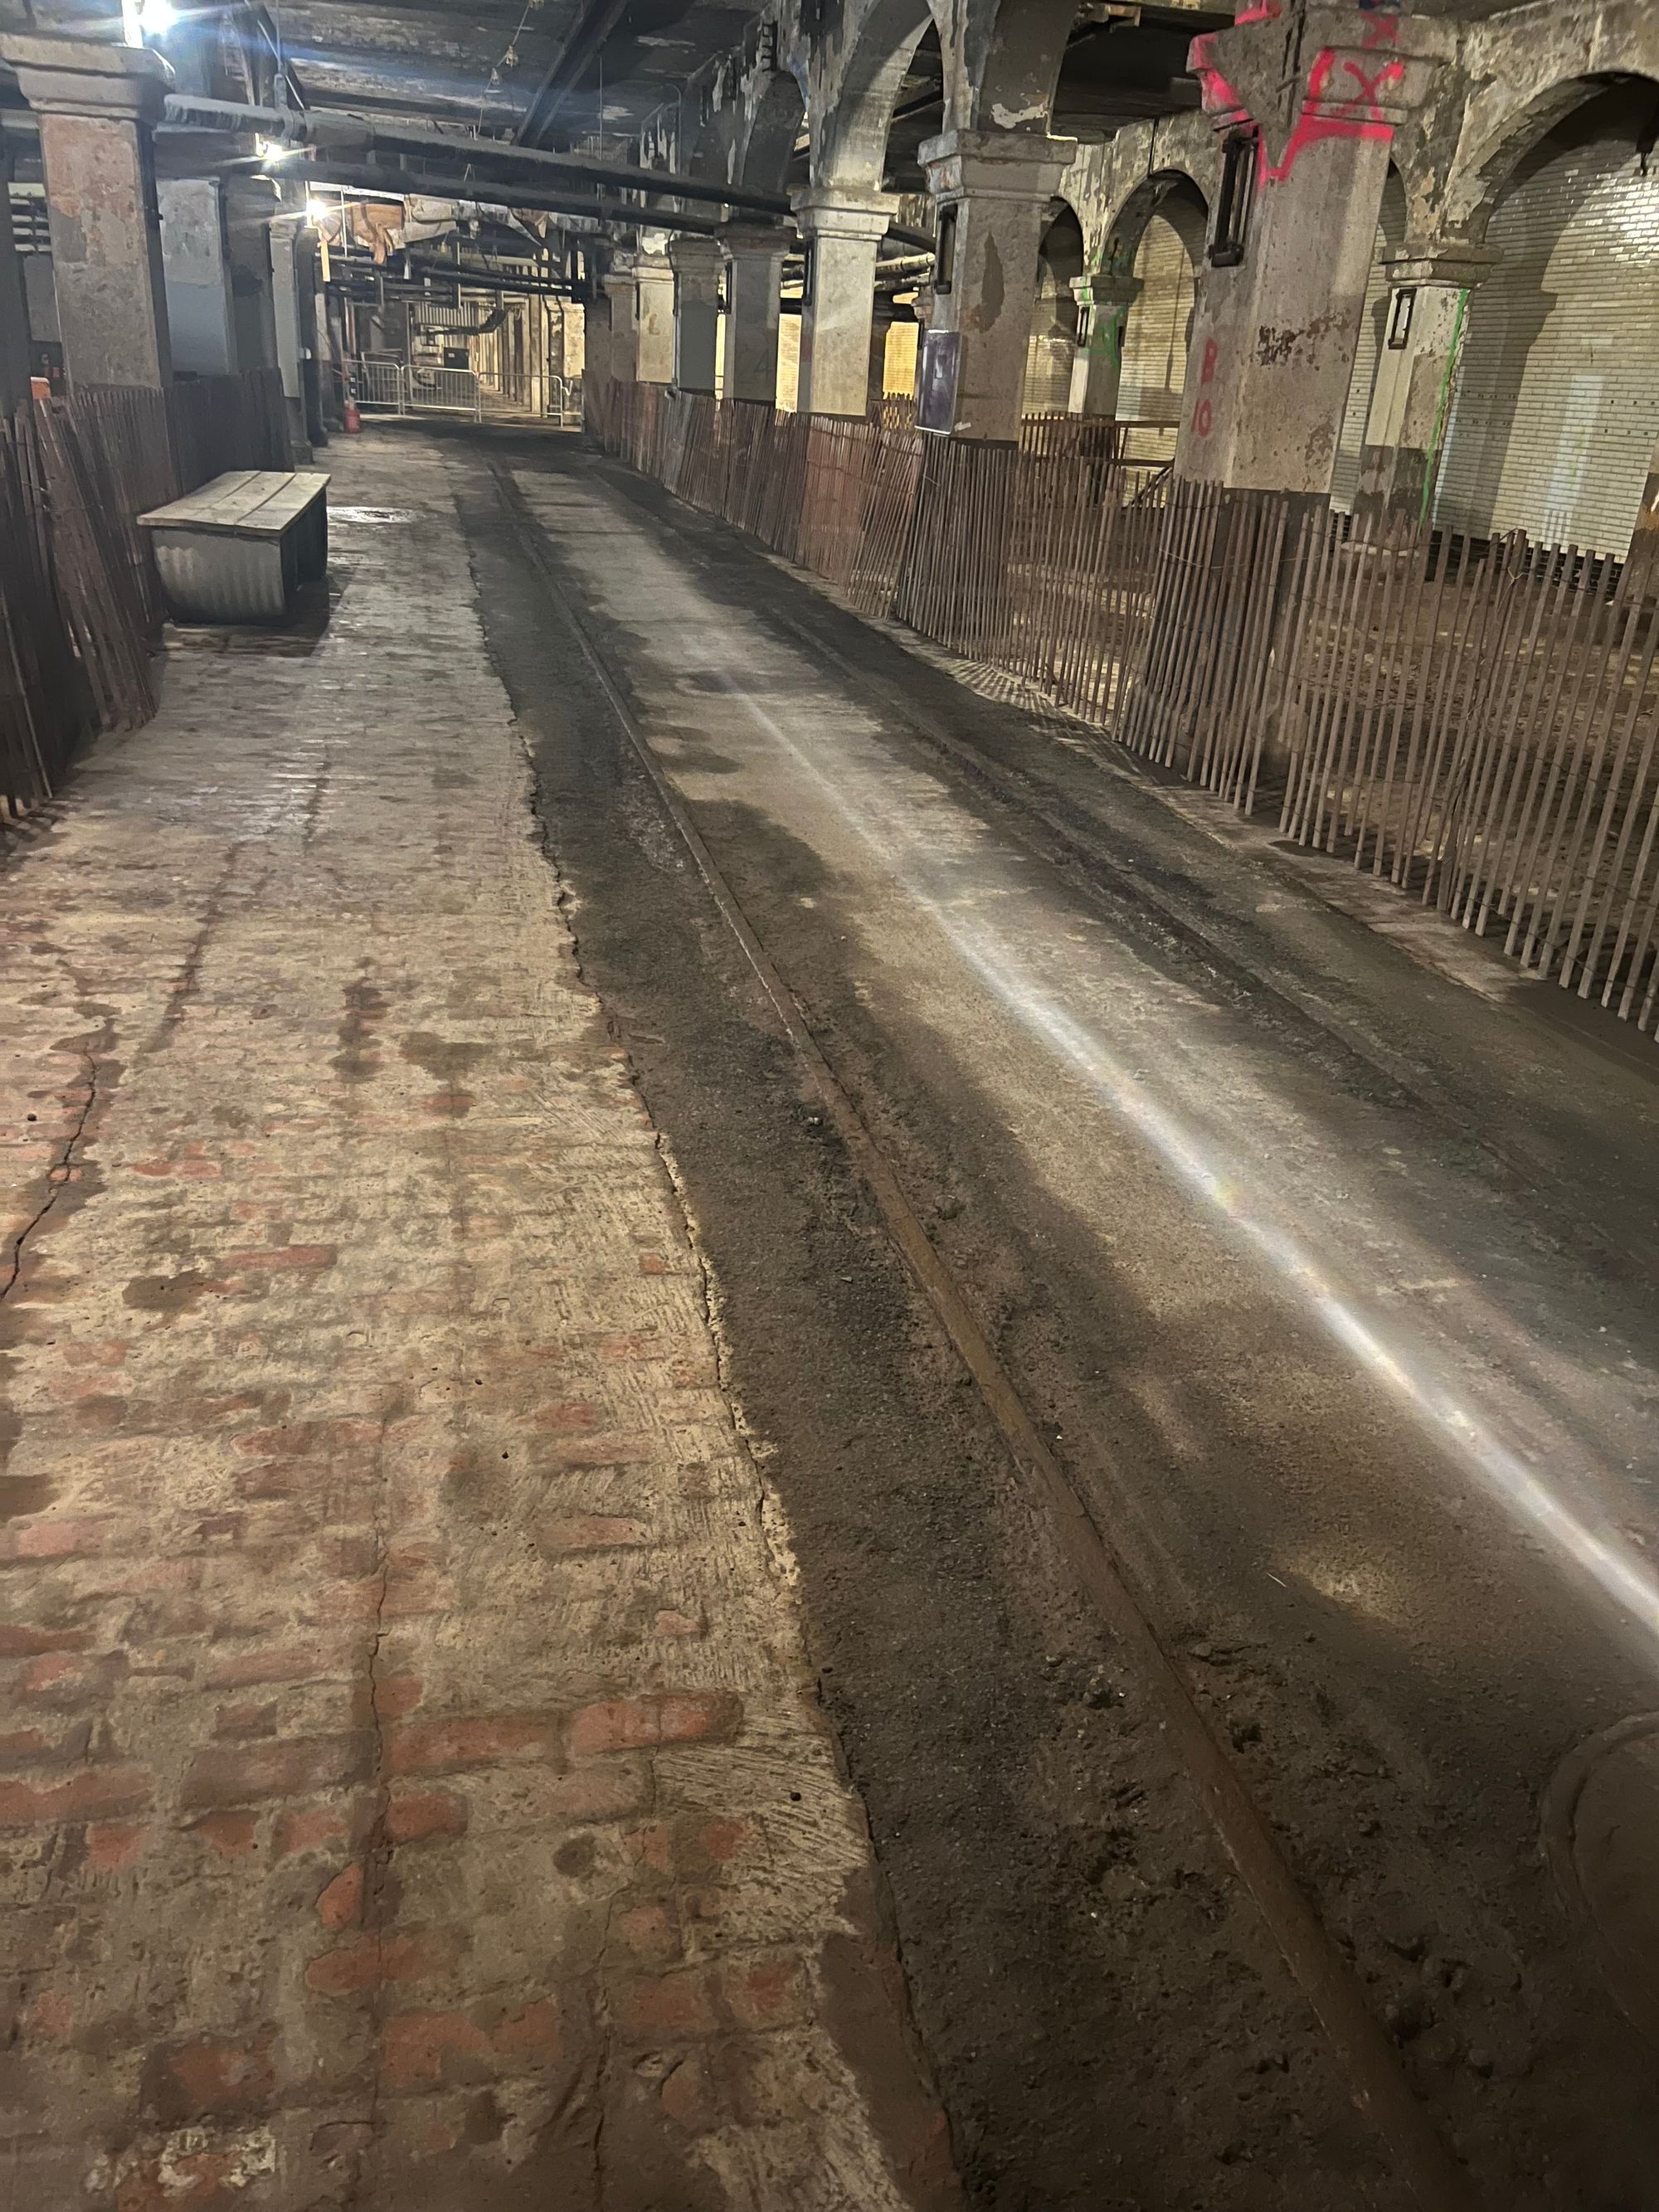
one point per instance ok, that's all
(378, 383)
(447, 392)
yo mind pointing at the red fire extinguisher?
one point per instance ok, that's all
(354, 421)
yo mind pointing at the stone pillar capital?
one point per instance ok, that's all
(85, 76)
(995, 164)
(1299, 75)
(757, 241)
(695, 258)
(1457, 266)
(844, 211)
(1107, 289)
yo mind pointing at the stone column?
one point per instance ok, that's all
(97, 105)
(654, 315)
(249, 204)
(696, 265)
(597, 322)
(1103, 311)
(754, 280)
(993, 188)
(843, 228)
(1279, 303)
(623, 350)
(193, 259)
(1428, 300)
(14, 306)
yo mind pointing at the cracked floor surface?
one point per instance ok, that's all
(414, 1794)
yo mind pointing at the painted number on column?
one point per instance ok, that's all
(1203, 414)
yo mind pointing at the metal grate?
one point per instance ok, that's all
(29, 228)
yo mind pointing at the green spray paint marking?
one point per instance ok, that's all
(1432, 470)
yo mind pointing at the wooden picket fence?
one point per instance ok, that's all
(1476, 722)
(80, 612)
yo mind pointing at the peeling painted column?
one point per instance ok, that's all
(623, 350)
(1103, 307)
(1307, 104)
(14, 307)
(290, 344)
(249, 204)
(754, 283)
(194, 262)
(696, 265)
(653, 311)
(97, 105)
(1411, 400)
(993, 189)
(844, 228)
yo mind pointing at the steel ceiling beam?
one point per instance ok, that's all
(588, 35)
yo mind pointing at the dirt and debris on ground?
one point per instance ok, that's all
(535, 1678)
(414, 1794)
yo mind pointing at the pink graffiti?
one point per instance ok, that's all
(1359, 116)
(1344, 121)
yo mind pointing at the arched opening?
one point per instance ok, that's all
(1351, 442)
(1053, 347)
(917, 114)
(1162, 265)
(1555, 417)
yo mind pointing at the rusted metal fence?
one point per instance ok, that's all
(1479, 722)
(1476, 722)
(80, 614)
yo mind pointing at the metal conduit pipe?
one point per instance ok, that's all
(361, 284)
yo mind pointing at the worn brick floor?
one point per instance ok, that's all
(413, 1794)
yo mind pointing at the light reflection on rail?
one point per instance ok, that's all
(1406, 1369)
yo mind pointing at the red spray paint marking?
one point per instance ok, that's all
(1346, 121)
(1203, 414)
(1359, 116)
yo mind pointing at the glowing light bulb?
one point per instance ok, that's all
(156, 17)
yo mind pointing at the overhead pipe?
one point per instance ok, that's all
(363, 282)
(313, 130)
(398, 183)
(323, 130)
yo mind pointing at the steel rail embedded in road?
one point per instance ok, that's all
(1369, 2063)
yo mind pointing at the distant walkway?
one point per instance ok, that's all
(414, 1795)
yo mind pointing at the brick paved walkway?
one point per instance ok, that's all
(413, 1795)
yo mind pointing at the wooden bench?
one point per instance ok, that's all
(238, 550)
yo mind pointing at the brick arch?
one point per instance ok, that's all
(1496, 146)
(1012, 52)
(766, 144)
(856, 75)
